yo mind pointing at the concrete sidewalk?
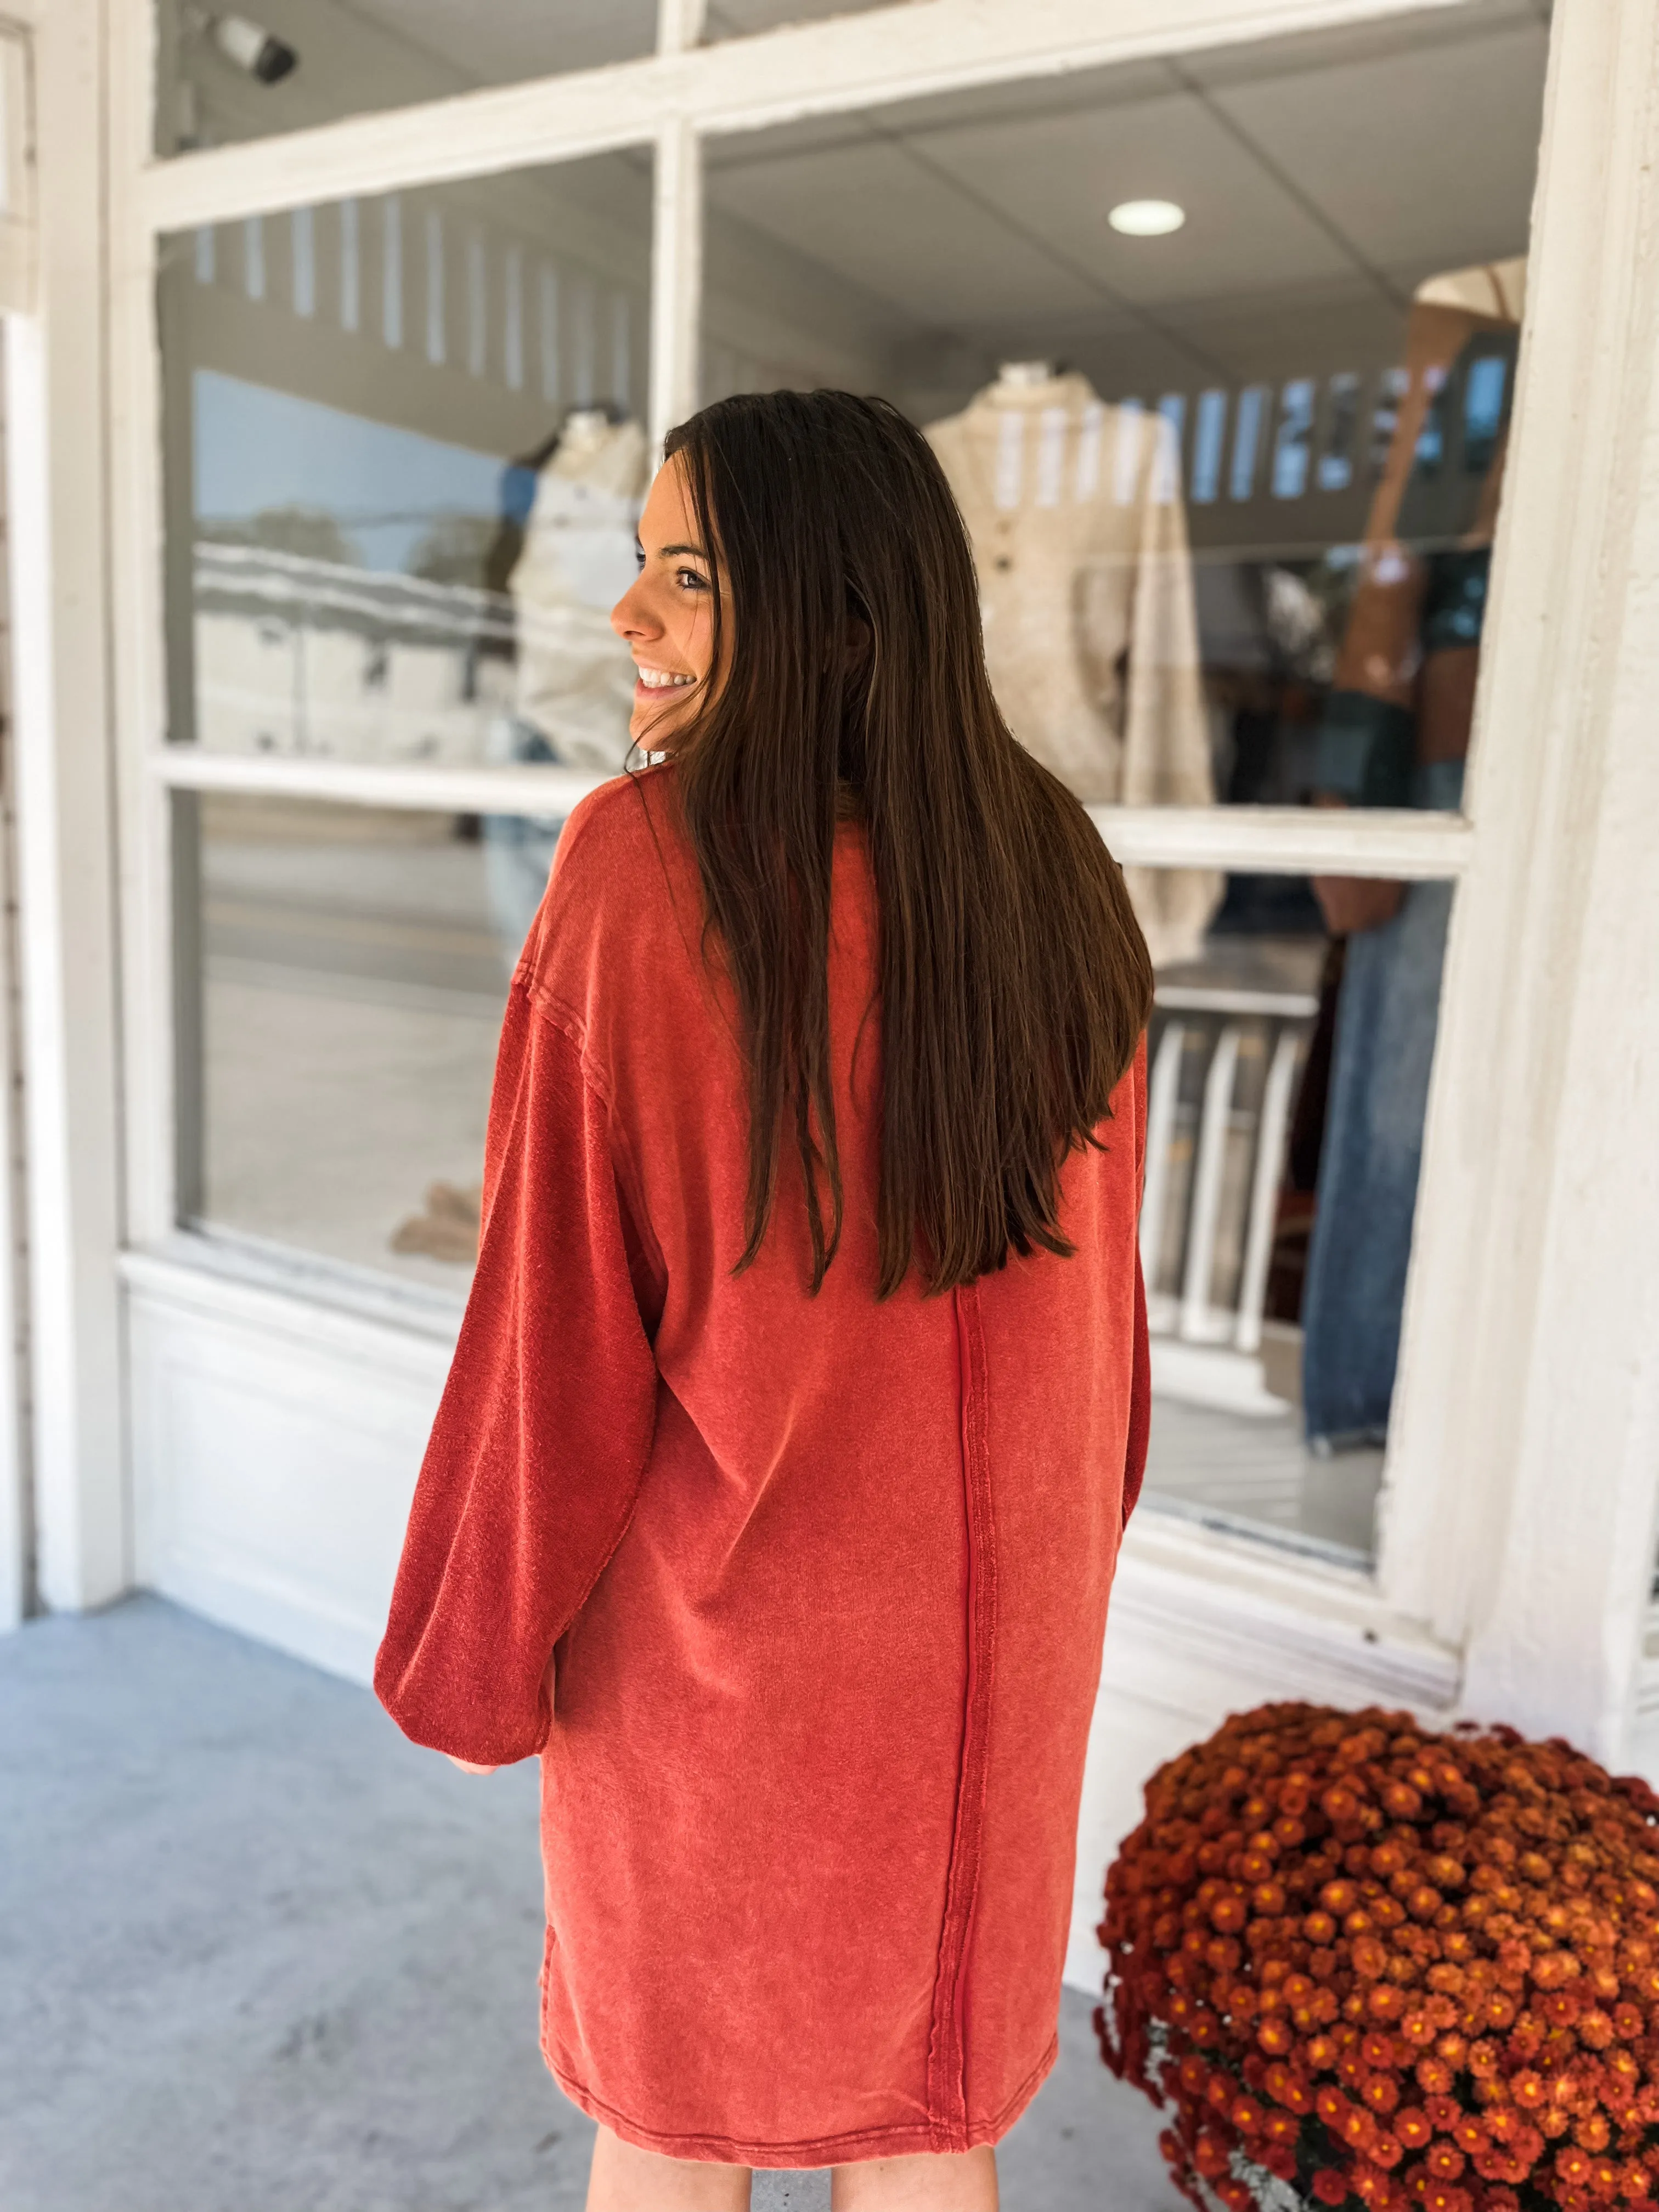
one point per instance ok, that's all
(259, 1954)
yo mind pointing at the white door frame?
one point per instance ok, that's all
(51, 284)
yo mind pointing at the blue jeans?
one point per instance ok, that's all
(518, 847)
(1368, 1165)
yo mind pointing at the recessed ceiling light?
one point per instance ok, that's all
(1146, 218)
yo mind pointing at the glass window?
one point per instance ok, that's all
(1288, 1077)
(1218, 355)
(405, 457)
(341, 976)
(225, 74)
(734, 19)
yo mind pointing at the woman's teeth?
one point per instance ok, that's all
(655, 680)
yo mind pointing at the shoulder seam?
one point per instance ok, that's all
(546, 1008)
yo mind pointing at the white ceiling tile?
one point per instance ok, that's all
(507, 40)
(869, 213)
(1059, 177)
(1423, 159)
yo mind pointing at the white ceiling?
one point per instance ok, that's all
(508, 39)
(503, 40)
(1323, 177)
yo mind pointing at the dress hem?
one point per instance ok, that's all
(817, 2151)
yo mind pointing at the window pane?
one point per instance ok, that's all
(404, 463)
(1218, 356)
(224, 76)
(341, 976)
(1289, 1068)
(732, 19)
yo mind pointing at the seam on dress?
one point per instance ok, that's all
(806, 2151)
(569, 1024)
(571, 1031)
(946, 2052)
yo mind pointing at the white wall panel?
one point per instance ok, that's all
(276, 1444)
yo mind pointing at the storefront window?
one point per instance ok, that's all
(404, 459)
(225, 74)
(341, 976)
(1288, 1078)
(1218, 355)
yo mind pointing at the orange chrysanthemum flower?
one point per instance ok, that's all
(1391, 1970)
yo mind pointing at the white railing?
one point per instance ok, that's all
(1215, 1156)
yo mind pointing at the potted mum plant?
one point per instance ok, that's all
(1362, 1965)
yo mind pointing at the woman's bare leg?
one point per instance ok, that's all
(933, 2181)
(625, 2179)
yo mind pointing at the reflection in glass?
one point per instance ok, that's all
(342, 975)
(225, 74)
(404, 460)
(1288, 1080)
(1242, 421)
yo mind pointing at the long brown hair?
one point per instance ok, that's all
(1014, 980)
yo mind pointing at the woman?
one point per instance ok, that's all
(777, 1485)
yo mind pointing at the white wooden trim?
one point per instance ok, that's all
(1269, 840)
(138, 647)
(1217, 1591)
(19, 229)
(1518, 1514)
(369, 783)
(872, 59)
(675, 278)
(1290, 840)
(55, 428)
(314, 1305)
(16, 1507)
(679, 25)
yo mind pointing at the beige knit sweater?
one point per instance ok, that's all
(1085, 584)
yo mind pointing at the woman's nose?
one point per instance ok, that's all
(630, 617)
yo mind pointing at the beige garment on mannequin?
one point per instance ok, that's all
(575, 677)
(1075, 514)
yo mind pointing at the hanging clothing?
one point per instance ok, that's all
(1080, 535)
(1396, 732)
(1354, 1295)
(799, 1599)
(1428, 539)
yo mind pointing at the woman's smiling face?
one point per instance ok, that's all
(667, 618)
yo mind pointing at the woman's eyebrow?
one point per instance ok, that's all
(667, 552)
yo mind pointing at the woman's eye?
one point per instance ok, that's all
(690, 580)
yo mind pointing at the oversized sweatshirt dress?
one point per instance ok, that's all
(799, 1599)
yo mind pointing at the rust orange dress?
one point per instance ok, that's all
(800, 1601)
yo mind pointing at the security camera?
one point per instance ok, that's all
(264, 57)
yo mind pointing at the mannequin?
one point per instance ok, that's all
(1079, 532)
(1396, 732)
(565, 555)
(573, 678)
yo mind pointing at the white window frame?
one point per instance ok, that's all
(1459, 1568)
